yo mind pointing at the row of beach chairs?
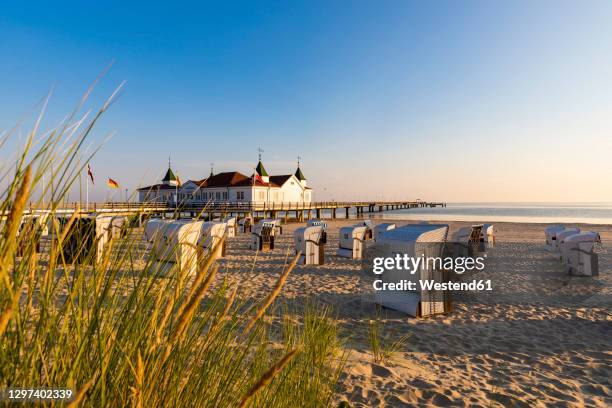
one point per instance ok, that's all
(84, 242)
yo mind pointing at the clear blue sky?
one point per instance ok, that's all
(445, 100)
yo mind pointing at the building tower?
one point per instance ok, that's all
(261, 170)
(170, 179)
(299, 175)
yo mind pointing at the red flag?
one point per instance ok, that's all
(90, 174)
(258, 178)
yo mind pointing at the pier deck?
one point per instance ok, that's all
(301, 210)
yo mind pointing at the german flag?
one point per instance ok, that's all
(112, 183)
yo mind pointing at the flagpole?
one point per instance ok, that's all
(87, 192)
(80, 183)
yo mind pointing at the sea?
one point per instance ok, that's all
(571, 213)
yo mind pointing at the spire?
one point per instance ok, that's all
(212, 166)
(260, 169)
(170, 178)
(298, 173)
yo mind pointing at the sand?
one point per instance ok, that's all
(540, 338)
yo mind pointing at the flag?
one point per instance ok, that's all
(258, 178)
(90, 174)
(178, 181)
(112, 183)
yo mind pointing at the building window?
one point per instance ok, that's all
(239, 195)
(262, 196)
(218, 195)
(225, 195)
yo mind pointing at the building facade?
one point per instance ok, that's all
(231, 187)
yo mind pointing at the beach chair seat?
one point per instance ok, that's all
(262, 237)
(245, 225)
(465, 242)
(86, 239)
(309, 241)
(319, 223)
(369, 234)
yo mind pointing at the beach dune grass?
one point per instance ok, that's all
(117, 333)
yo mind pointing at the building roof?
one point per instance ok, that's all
(280, 180)
(299, 175)
(225, 179)
(260, 169)
(155, 187)
(169, 175)
(237, 179)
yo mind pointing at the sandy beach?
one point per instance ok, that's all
(540, 338)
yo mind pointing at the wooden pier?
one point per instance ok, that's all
(298, 211)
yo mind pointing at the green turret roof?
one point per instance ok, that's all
(299, 175)
(261, 170)
(169, 176)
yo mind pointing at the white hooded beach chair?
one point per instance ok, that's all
(262, 237)
(352, 241)
(578, 255)
(380, 228)
(416, 240)
(309, 240)
(211, 235)
(231, 226)
(245, 225)
(175, 245)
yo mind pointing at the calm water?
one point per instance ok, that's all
(590, 213)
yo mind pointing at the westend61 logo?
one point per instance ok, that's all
(397, 266)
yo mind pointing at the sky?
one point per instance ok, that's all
(441, 101)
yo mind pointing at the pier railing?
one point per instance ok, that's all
(229, 206)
